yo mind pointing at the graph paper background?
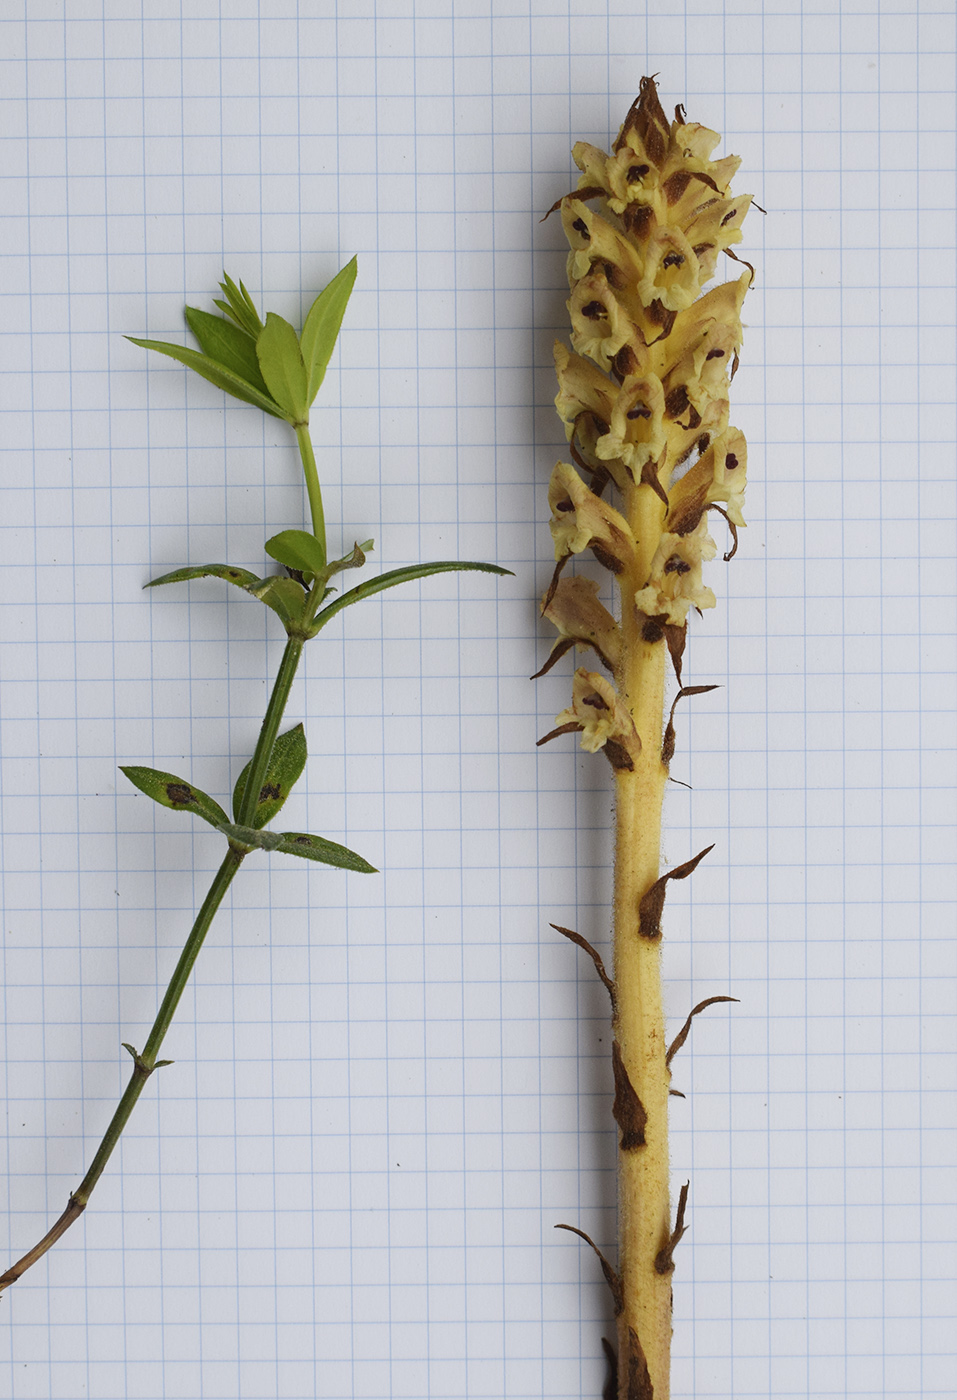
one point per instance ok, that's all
(388, 1089)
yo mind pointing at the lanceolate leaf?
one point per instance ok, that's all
(280, 360)
(322, 324)
(297, 549)
(300, 843)
(228, 344)
(242, 578)
(170, 791)
(396, 576)
(216, 373)
(285, 766)
(282, 594)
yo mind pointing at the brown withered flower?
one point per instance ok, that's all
(574, 607)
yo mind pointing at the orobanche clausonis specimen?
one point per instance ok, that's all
(643, 393)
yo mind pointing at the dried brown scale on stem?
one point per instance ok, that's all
(644, 397)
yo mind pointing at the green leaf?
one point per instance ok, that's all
(283, 595)
(240, 306)
(213, 371)
(297, 549)
(300, 843)
(286, 763)
(228, 345)
(280, 359)
(321, 329)
(170, 791)
(242, 578)
(396, 576)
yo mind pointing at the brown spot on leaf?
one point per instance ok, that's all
(180, 794)
(270, 792)
(653, 900)
(628, 1110)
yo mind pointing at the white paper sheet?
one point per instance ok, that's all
(389, 1089)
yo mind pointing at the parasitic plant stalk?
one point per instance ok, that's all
(644, 397)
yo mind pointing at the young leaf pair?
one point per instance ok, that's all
(265, 364)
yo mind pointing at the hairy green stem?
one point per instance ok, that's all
(270, 728)
(313, 488)
(144, 1064)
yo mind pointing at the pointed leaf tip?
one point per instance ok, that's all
(321, 328)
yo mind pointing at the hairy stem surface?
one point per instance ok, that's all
(643, 1181)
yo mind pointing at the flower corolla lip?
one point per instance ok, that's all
(603, 719)
(675, 585)
(581, 520)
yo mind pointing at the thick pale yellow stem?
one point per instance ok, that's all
(644, 1198)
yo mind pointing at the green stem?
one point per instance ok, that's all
(312, 484)
(270, 728)
(145, 1063)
